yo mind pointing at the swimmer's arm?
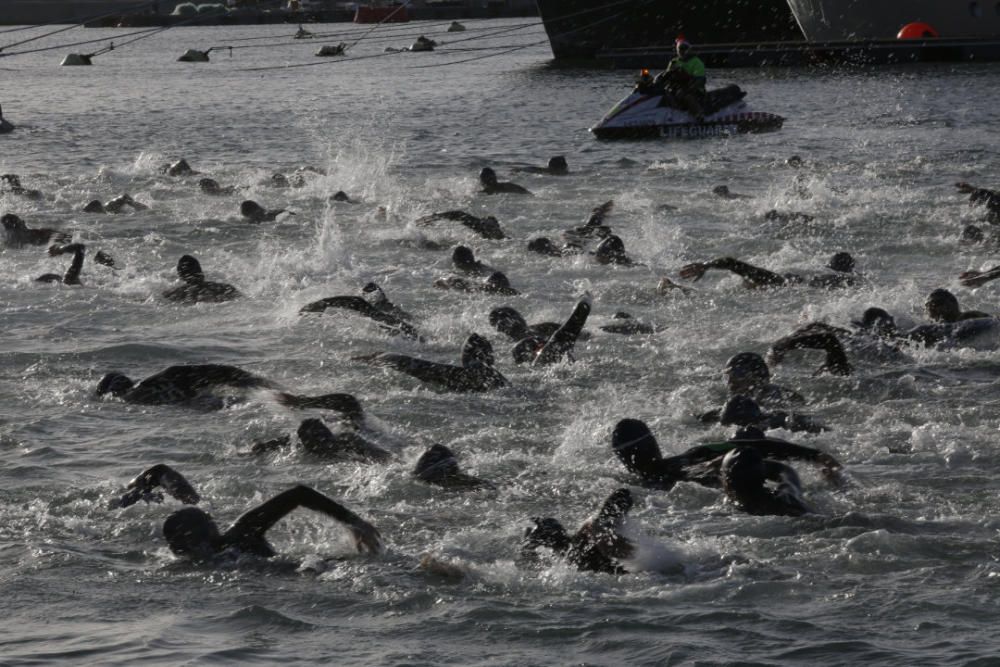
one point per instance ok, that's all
(253, 525)
(269, 446)
(72, 275)
(831, 468)
(597, 215)
(754, 275)
(427, 371)
(160, 475)
(563, 340)
(836, 359)
(978, 278)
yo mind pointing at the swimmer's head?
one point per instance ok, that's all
(374, 294)
(543, 246)
(498, 283)
(745, 372)
(436, 463)
(741, 411)
(462, 256)
(279, 180)
(114, 383)
(13, 222)
(189, 270)
(477, 350)
(191, 533)
(339, 195)
(487, 176)
(877, 321)
(842, 262)
(94, 206)
(743, 469)
(557, 164)
(209, 186)
(942, 306)
(527, 349)
(616, 506)
(973, 234)
(610, 250)
(250, 208)
(12, 180)
(547, 532)
(634, 445)
(508, 321)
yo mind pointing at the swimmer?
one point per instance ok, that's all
(17, 234)
(319, 441)
(512, 324)
(210, 186)
(553, 349)
(254, 212)
(979, 278)
(72, 275)
(438, 466)
(612, 251)
(754, 277)
(744, 412)
(597, 546)
(195, 288)
(191, 533)
(476, 374)
(161, 476)
(744, 476)
(879, 323)
(13, 185)
(637, 449)
(374, 295)
(465, 262)
(724, 192)
(179, 168)
(340, 197)
(186, 385)
(545, 246)
(667, 286)
(497, 283)
(384, 316)
(747, 374)
(556, 166)
(626, 325)
(594, 227)
(942, 306)
(836, 362)
(774, 215)
(487, 227)
(491, 186)
(115, 205)
(983, 197)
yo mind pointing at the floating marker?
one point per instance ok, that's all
(75, 59)
(331, 50)
(456, 27)
(194, 56)
(917, 30)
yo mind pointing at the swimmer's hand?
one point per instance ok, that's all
(366, 537)
(976, 278)
(666, 285)
(693, 271)
(104, 258)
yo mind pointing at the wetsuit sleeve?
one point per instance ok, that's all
(207, 375)
(788, 496)
(836, 359)
(756, 276)
(165, 477)
(72, 276)
(563, 340)
(252, 527)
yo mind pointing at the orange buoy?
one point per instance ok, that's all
(917, 30)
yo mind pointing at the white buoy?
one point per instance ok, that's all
(194, 56)
(456, 27)
(75, 59)
(331, 50)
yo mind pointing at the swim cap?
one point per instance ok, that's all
(189, 270)
(487, 176)
(435, 463)
(742, 411)
(527, 349)
(462, 255)
(477, 350)
(877, 321)
(547, 532)
(558, 164)
(942, 306)
(748, 365)
(743, 467)
(114, 383)
(842, 262)
(190, 531)
(635, 445)
(611, 249)
(250, 208)
(498, 282)
(507, 321)
(544, 246)
(94, 206)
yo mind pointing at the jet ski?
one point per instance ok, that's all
(652, 111)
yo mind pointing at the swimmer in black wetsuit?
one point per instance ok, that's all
(724, 192)
(319, 441)
(774, 215)
(596, 547)
(747, 374)
(383, 315)
(743, 411)
(557, 166)
(191, 533)
(438, 466)
(637, 449)
(878, 323)
(990, 199)
(942, 306)
(210, 186)
(497, 283)
(487, 227)
(612, 251)
(72, 275)
(254, 212)
(116, 205)
(163, 476)
(512, 324)
(374, 295)
(755, 277)
(544, 246)
(17, 234)
(465, 262)
(492, 186)
(178, 385)
(477, 372)
(558, 346)
(624, 324)
(13, 185)
(744, 476)
(594, 227)
(195, 288)
(179, 168)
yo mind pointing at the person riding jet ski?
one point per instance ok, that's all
(685, 79)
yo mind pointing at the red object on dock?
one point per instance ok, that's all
(370, 14)
(917, 31)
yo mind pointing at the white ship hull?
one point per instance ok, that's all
(839, 20)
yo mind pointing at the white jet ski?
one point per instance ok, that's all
(651, 111)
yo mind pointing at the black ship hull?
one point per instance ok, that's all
(581, 29)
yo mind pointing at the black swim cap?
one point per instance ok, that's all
(498, 282)
(189, 270)
(527, 349)
(477, 350)
(747, 366)
(508, 321)
(544, 246)
(436, 463)
(547, 532)
(94, 206)
(462, 255)
(842, 262)
(611, 249)
(114, 383)
(558, 163)
(340, 195)
(743, 468)
(250, 207)
(190, 532)
(877, 321)
(742, 411)
(313, 433)
(616, 506)
(942, 306)
(11, 221)
(487, 176)
(635, 445)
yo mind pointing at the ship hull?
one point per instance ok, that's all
(580, 29)
(837, 20)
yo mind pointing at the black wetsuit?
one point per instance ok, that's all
(438, 466)
(756, 277)
(487, 227)
(72, 275)
(195, 288)
(474, 375)
(162, 476)
(318, 440)
(553, 349)
(384, 317)
(17, 233)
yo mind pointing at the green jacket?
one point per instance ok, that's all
(691, 65)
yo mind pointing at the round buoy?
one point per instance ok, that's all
(76, 59)
(194, 56)
(917, 30)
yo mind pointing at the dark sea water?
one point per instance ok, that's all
(900, 569)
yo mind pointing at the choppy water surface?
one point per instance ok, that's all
(900, 569)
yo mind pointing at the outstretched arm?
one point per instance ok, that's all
(977, 278)
(252, 526)
(206, 375)
(753, 275)
(836, 359)
(160, 475)
(562, 341)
